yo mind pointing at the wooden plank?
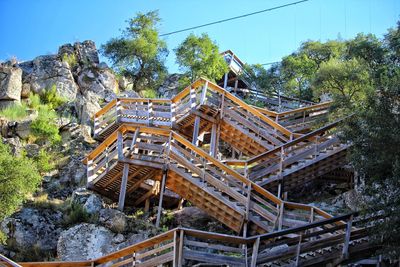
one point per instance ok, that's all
(122, 191)
(345, 252)
(205, 257)
(213, 246)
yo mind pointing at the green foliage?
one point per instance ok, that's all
(375, 134)
(75, 214)
(44, 162)
(34, 101)
(199, 56)
(70, 59)
(348, 82)
(14, 112)
(19, 177)
(44, 128)
(51, 98)
(149, 93)
(139, 53)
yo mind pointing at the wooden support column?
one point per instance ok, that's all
(120, 146)
(236, 85)
(226, 80)
(147, 205)
(122, 191)
(213, 140)
(345, 252)
(180, 251)
(161, 198)
(298, 249)
(196, 129)
(255, 253)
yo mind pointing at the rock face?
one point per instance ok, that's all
(170, 86)
(10, 83)
(44, 72)
(88, 241)
(90, 201)
(113, 219)
(31, 227)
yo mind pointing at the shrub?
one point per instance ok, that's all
(51, 98)
(43, 161)
(14, 112)
(19, 177)
(76, 213)
(149, 93)
(44, 127)
(34, 101)
(70, 59)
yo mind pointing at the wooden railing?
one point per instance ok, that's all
(156, 147)
(301, 118)
(6, 262)
(165, 112)
(315, 243)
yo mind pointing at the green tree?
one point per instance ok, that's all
(18, 178)
(139, 53)
(348, 82)
(375, 134)
(199, 56)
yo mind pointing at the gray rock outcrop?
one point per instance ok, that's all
(88, 241)
(10, 83)
(31, 227)
(44, 72)
(113, 219)
(90, 201)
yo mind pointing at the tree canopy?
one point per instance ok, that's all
(200, 56)
(139, 53)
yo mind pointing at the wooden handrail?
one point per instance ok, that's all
(106, 108)
(293, 111)
(295, 141)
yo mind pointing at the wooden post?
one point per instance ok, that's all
(255, 253)
(161, 198)
(280, 221)
(204, 94)
(120, 146)
(149, 113)
(176, 250)
(236, 85)
(226, 80)
(345, 252)
(192, 97)
(173, 114)
(298, 249)
(147, 205)
(118, 109)
(196, 129)
(213, 140)
(180, 251)
(282, 159)
(122, 191)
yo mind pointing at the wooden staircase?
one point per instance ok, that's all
(152, 154)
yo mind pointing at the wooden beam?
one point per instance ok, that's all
(122, 191)
(345, 252)
(162, 189)
(213, 141)
(196, 129)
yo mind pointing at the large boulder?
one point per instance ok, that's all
(44, 72)
(88, 241)
(113, 219)
(97, 80)
(87, 52)
(90, 201)
(10, 82)
(31, 227)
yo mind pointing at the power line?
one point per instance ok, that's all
(233, 18)
(269, 63)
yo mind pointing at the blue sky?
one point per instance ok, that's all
(35, 27)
